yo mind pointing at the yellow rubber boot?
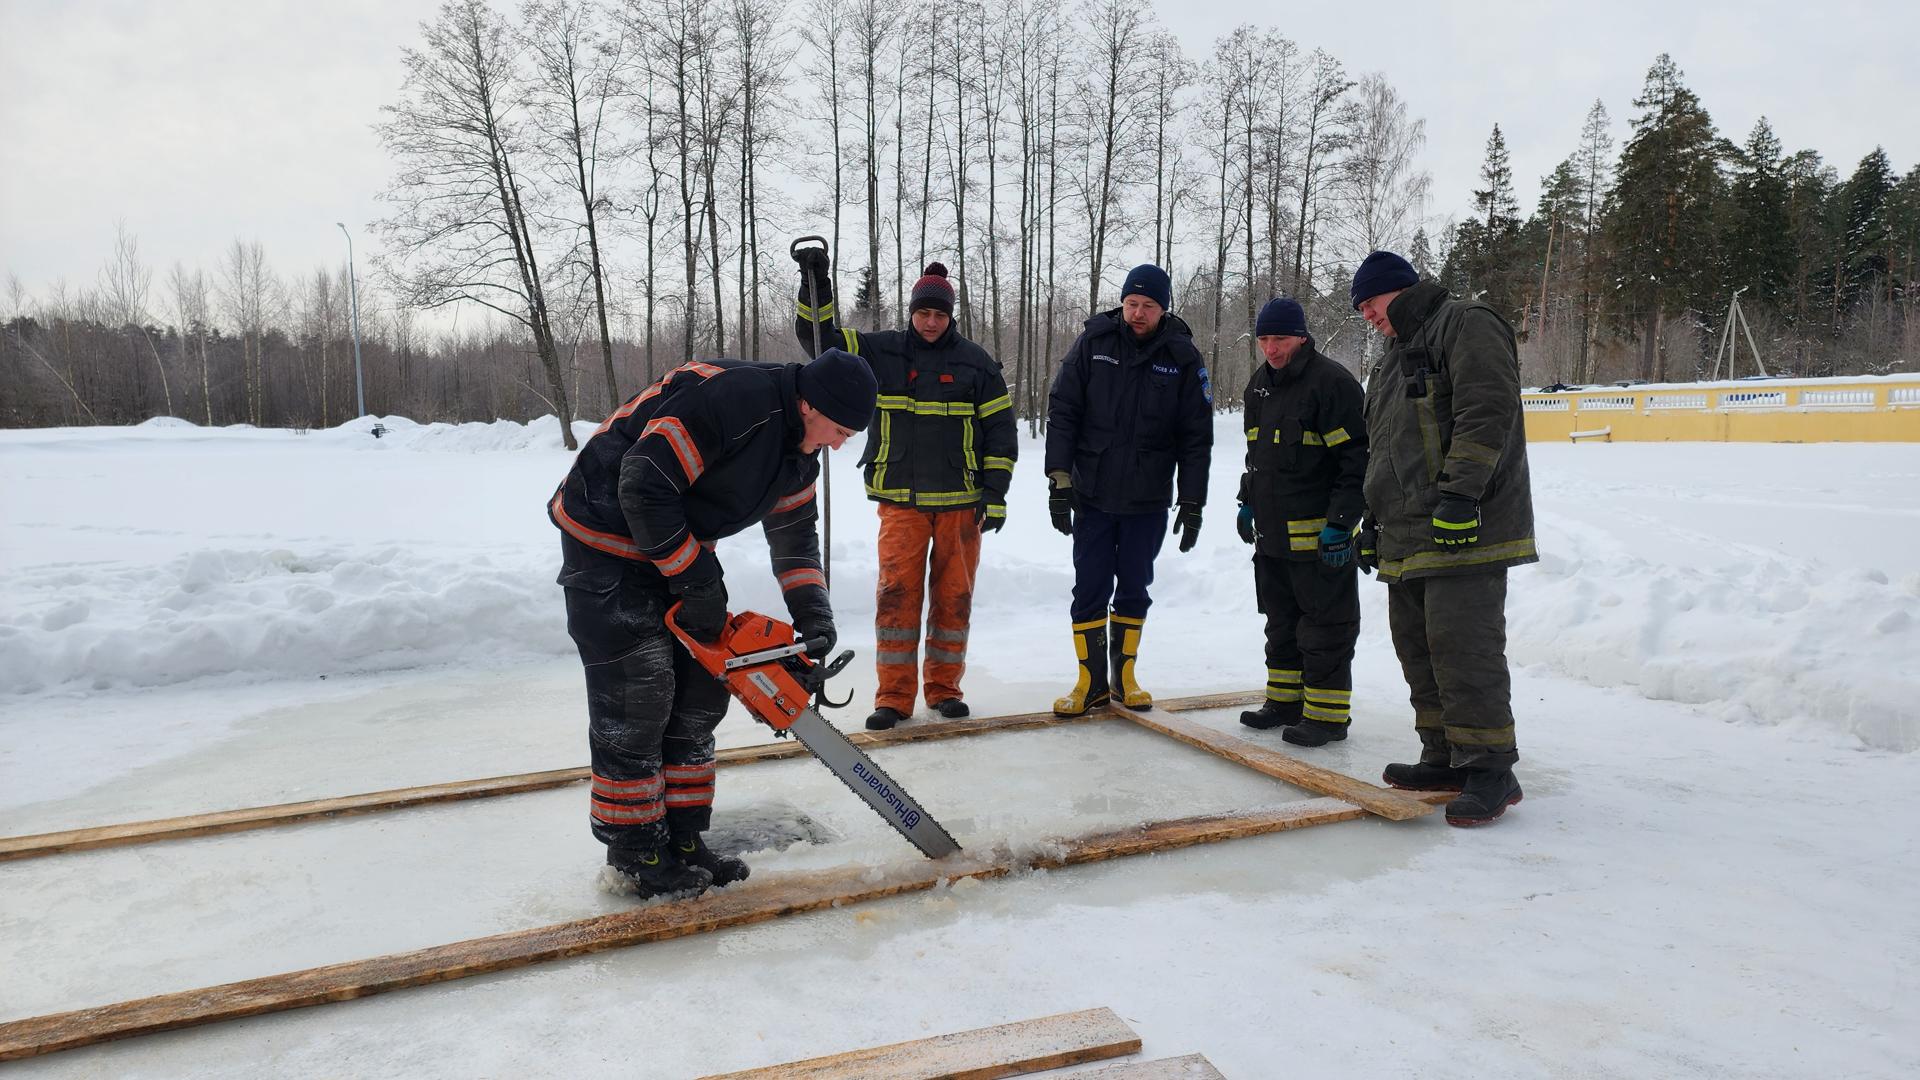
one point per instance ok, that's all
(1090, 689)
(1126, 649)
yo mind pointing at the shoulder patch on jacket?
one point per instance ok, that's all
(1206, 385)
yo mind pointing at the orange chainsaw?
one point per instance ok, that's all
(773, 675)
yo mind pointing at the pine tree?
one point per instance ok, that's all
(1484, 259)
(1759, 243)
(1903, 239)
(1810, 193)
(1867, 227)
(1420, 252)
(866, 298)
(1495, 203)
(1659, 223)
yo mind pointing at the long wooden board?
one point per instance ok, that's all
(1386, 802)
(758, 901)
(375, 802)
(1185, 1067)
(1027, 1046)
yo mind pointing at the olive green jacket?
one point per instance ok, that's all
(1444, 417)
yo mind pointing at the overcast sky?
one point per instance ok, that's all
(197, 121)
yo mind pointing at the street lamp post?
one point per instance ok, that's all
(353, 289)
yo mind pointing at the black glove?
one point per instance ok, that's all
(817, 625)
(984, 516)
(1367, 548)
(1061, 503)
(1243, 521)
(1187, 524)
(812, 260)
(703, 608)
(1456, 521)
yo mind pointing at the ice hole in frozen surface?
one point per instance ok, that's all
(1016, 788)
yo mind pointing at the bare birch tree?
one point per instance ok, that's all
(823, 28)
(1323, 130)
(125, 284)
(1382, 187)
(761, 58)
(1115, 110)
(870, 24)
(249, 296)
(461, 231)
(574, 63)
(190, 307)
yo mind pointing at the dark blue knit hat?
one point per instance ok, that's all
(1281, 317)
(840, 385)
(1151, 282)
(1381, 272)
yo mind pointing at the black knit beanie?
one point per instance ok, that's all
(1281, 317)
(1381, 272)
(840, 385)
(933, 290)
(1151, 282)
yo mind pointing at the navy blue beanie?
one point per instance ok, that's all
(1381, 272)
(840, 385)
(1281, 317)
(1151, 282)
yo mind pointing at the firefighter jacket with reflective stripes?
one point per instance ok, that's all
(1306, 453)
(943, 435)
(1125, 412)
(1444, 418)
(704, 453)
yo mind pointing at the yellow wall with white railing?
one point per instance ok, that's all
(1801, 410)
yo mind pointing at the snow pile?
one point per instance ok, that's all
(500, 436)
(1777, 643)
(271, 613)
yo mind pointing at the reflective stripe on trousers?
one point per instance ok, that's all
(918, 548)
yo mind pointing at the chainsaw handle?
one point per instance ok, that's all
(793, 249)
(711, 655)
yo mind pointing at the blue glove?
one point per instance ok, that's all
(1244, 523)
(1336, 546)
(1456, 521)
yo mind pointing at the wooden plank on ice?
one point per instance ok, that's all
(1015, 1049)
(374, 802)
(750, 902)
(1386, 802)
(1185, 1067)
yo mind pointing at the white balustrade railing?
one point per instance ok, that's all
(1676, 401)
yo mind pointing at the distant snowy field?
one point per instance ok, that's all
(1713, 873)
(1776, 584)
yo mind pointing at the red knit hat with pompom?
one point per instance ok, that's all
(933, 290)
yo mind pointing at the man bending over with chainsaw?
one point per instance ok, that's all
(704, 453)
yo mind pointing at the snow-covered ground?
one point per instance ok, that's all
(1713, 873)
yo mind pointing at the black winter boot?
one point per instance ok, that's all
(1425, 777)
(1487, 795)
(726, 869)
(952, 709)
(884, 718)
(1314, 733)
(656, 874)
(1272, 714)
